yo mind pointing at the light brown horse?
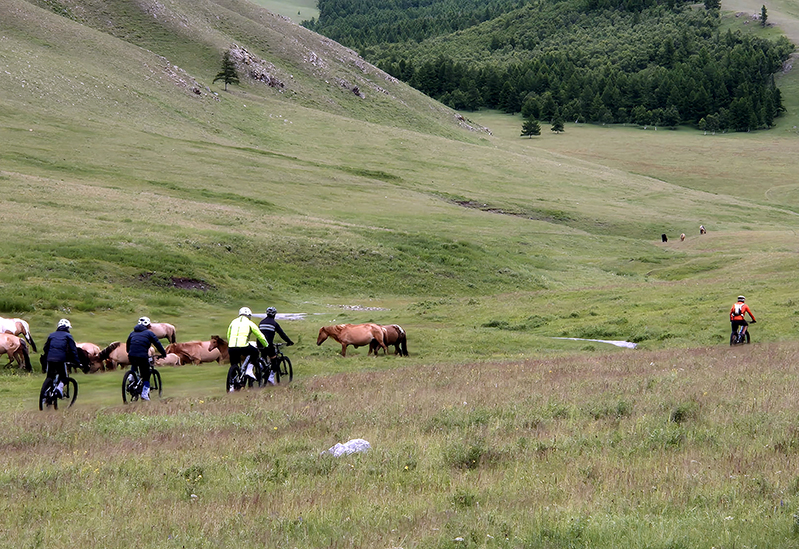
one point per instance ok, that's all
(196, 352)
(353, 335)
(170, 359)
(219, 343)
(164, 330)
(394, 335)
(17, 327)
(17, 350)
(92, 352)
(116, 353)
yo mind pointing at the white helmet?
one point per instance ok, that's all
(740, 299)
(64, 323)
(144, 321)
(245, 311)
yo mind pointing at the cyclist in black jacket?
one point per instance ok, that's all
(59, 350)
(138, 345)
(268, 327)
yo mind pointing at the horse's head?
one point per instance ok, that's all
(323, 335)
(216, 342)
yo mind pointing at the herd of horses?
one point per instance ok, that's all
(15, 337)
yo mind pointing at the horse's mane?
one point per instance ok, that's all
(106, 352)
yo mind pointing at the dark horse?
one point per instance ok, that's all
(354, 335)
(393, 335)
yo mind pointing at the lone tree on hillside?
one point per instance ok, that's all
(763, 15)
(530, 127)
(558, 125)
(228, 72)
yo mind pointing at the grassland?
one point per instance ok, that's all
(118, 180)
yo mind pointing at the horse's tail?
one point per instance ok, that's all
(172, 335)
(23, 347)
(104, 354)
(27, 331)
(401, 340)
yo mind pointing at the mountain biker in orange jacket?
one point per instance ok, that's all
(737, 315)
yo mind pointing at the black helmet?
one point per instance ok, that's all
(271, 311)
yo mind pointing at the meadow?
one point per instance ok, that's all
(127, 194)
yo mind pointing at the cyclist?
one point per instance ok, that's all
(138, 345)
(268, 327)
(239, 332)
(59, 350)
(737, 316)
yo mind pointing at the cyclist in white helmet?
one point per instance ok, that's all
(239, 332)
(59, 350)
(138, 346)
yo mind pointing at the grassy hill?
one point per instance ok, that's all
(133, 185)
(123, 180)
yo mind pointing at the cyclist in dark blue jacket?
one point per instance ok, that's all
(138, 345)
(268, 327)
(59, 350)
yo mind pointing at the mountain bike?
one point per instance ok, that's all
(284, 364)
(132, 383)
(237, 379)
(741, 336)
(49, 397)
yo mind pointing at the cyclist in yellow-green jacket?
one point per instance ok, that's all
(239, 346)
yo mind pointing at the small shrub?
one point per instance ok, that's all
(684, 412)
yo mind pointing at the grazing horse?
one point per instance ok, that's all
(393, 335)
(353, 335)
(197, 352)
(164, 330)
(116, 353)
(170, 359)
(91, 351)
(219, 343)
(17, 327)
(17, 350)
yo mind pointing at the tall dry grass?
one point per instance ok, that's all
(688, 448)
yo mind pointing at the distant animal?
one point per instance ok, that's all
(353, 335)
(171, 359)
(683, 237)
(663, 237)
(196, 352)
(393, 335)
(219, 343)
(164, 330)
(92, 352)
(17, 327)
(115, 354)
(17, 350)
(702, 230)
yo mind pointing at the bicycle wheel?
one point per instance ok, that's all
(286, 368)
(43, 393)
(155, 381)
(231, 379)
(128, 381)
(71, 390)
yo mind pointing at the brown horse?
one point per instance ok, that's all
(17, 327)
(116, 353)
(17, 350)
(197, 352)
(353, 335)
(393, 335)
(91, 352)
(164, 330)
(219, 343)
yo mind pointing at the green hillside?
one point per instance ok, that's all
(132, 177)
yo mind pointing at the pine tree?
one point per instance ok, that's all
(558, 125)
(228, 72)
(763, 15)
(530, 127)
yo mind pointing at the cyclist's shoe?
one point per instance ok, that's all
(146, 392)
(58, 392)
(249, 372)
(230, 389)
(271, 379)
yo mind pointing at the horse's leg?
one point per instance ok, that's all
(344, 350)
